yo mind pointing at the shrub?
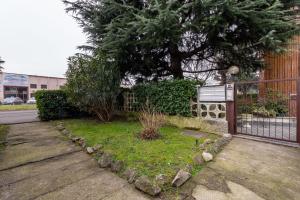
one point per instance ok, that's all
(244, 108)
(170, 97)
(277, 102)
(263, 112)
(151, 122)
(53, 104)
(272, 104)
(93, 85)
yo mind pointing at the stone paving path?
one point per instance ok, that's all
(249, 170)
(39, 163)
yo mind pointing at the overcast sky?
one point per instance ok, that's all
(37, 36)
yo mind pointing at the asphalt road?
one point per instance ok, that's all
(16, 117)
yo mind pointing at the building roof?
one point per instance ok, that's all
(34, 75)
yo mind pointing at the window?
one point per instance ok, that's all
(10, 89)
(33, 86)
(32, 95)
(43, 86)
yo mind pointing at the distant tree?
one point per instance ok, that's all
(1, 63)
(158, 38)
(93, 84)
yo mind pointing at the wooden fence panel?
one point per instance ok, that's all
(283, 66)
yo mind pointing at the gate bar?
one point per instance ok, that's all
(268, 81)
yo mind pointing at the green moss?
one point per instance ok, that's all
(3, 132)
(162, 156)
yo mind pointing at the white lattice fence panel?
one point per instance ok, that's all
(209, 110)
(213, 111)
(129, 101)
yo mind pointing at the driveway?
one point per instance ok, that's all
(279, 128)
(15, 117)
(249, 170)
(39, 163)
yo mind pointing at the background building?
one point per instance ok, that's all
(25, 86)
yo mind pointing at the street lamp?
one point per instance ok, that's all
(229, 88)
(230, 97)
(231, 72)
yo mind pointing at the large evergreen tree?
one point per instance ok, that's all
(157, 38)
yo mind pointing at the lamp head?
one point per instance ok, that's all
(233, 70)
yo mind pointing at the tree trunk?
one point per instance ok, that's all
(176, 61)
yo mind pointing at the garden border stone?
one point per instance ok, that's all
(130, 175)
(181, 177)
(105, 160)
(90, 150)
(142, 183)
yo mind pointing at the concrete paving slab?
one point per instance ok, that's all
(18, 174)
(237, 192)
(26, 153)
(96, 187)
(47, 166)
(50, 181)
(271, 172)
(125, 193)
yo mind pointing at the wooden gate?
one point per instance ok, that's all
(268, 108)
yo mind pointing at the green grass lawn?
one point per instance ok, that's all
(162, 156)
(17, 107)
(3, 132)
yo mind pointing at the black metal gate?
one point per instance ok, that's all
(268, 109)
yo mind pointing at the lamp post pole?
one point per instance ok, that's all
(230, 99)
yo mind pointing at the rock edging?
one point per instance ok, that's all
(106, 160)
(143, 183)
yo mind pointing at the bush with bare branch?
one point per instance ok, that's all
(151, 121)
(93, 84)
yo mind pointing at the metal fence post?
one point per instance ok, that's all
(231, 113)
(298, 111)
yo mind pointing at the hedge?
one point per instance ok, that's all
(170, 97)
(53, 104)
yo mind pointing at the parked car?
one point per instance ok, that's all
(12, 101)
(31, 101)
